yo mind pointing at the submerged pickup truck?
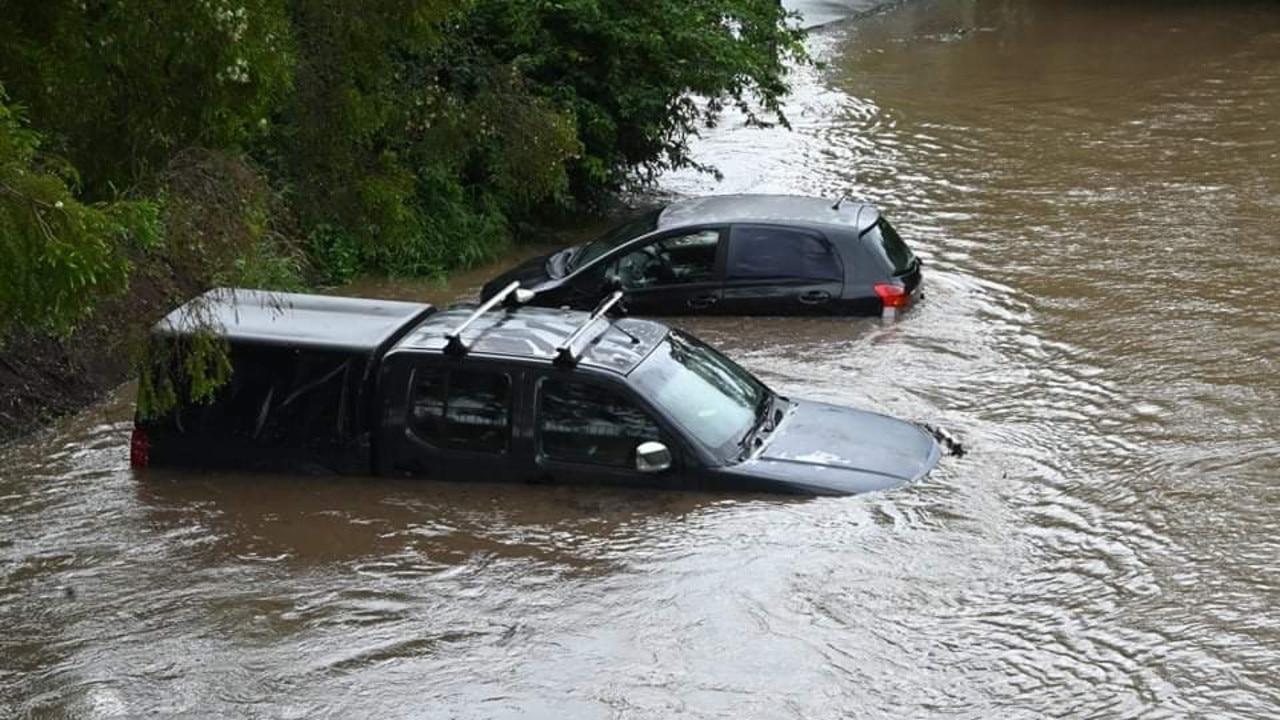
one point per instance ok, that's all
(511, 393)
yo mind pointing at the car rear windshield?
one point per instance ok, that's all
(627, 231)
(895, 248)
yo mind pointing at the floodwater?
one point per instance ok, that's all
(1095, 188)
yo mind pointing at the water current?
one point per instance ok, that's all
(1095, 189)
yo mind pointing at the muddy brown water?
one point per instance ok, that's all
(1095, 188)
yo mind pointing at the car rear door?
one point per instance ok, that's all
(778, 270)
(677, 273)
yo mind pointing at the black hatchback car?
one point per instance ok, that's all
(734, 255)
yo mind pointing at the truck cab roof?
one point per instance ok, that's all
(315, 322)
(536, 334)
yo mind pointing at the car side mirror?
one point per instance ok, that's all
(652, 457)
(611, 282)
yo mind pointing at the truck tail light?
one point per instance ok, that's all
(893, 296)
(139, 448)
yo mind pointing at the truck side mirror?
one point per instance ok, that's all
(652, 457)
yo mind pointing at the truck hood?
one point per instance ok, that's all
(832, 450)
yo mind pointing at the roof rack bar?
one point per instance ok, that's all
(454, 336)
(564, 353)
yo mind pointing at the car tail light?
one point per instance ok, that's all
(893, 296)
(139, 448)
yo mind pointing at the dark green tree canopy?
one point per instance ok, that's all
(397, 136)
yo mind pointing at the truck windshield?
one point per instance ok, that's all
(707, 394)
(627, 231)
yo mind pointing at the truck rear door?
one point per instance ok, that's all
(451, 420)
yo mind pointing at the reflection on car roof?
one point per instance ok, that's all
(795, 209)
(533, 332)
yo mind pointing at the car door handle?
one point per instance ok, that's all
(815, 297)
(701, 303)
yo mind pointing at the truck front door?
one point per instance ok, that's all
(587, 432)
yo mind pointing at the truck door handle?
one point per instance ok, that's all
(702, 302)
(815, 297)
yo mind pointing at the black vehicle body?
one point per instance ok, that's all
(734, 255)
(524, 394)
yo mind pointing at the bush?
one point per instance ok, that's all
(399, 136)
(119, 86)
(58, 255)
(225, 225)
(631, 73)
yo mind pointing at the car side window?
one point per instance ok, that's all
(673, 260)
(587, 424)
(462, 409)
(758, 252)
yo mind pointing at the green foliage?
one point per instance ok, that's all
(192, 368)
(58, 256)
(264, 265)
(389, 171)
(120, 85)
(334, 254)
(269, 139)
(632, 73)
(225, 225)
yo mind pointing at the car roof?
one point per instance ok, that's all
(535, 333)
(292, 319)
(788, 209)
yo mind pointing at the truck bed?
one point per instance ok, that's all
(302, 387)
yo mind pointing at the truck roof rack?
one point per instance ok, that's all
(565, 353)
(456, 345)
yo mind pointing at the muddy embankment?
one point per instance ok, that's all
(45, 377)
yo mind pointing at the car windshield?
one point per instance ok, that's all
(707, 394)
(627, 231)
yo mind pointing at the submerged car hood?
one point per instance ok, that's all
(829, 449)
(531, 273)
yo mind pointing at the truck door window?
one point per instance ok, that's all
(462, 409)
(587, 424)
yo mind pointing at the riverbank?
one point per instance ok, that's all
(45, 377)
